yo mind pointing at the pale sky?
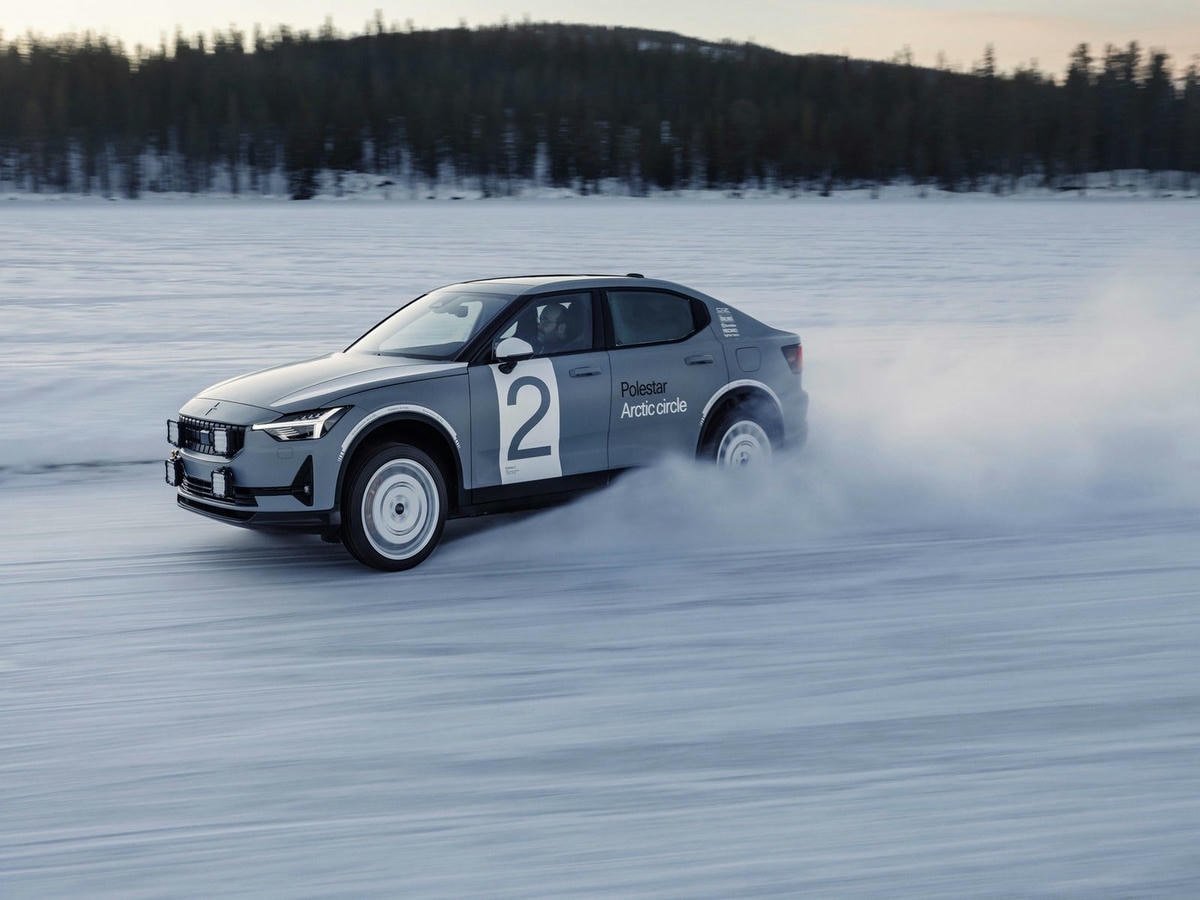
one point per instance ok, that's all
(1020, 30)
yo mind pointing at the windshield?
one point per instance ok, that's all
(435, 326)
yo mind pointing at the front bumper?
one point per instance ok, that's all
(257, 481)
(306, 522)
(213, 489)
(220, 482)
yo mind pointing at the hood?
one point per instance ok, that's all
(303, 385)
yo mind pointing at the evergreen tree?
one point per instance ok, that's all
(575, 105)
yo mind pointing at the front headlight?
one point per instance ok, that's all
(305, 426)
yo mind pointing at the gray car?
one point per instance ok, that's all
(486, 396)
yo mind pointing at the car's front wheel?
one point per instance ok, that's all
(395, 508)
(740, 441)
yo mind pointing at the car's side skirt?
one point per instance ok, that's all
(529, 494)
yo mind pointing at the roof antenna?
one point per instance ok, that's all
(634, 275)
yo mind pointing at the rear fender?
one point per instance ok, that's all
(736, 393)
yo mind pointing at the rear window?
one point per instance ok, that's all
(653, 317)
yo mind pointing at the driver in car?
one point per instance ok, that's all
(552, 328)
(560, 330)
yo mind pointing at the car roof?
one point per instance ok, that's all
(525, 284)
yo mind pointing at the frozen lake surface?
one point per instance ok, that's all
(948, 650)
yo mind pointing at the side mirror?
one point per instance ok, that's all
(509, 350)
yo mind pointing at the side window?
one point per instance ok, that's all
(558, 324)
(651, 317)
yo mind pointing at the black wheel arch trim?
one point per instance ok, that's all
(427, 418)
(730, 396)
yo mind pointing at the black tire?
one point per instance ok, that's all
(741, 439)
(395, 508)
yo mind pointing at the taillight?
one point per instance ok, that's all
(794, 354)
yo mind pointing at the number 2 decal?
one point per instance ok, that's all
(515, 450)
(529, 418)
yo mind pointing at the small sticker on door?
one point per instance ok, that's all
(729, 327)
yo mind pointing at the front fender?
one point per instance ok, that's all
(389, 417)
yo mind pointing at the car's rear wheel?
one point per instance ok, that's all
(395, 508)
(740, 440)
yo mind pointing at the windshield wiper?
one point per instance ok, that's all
(411, 355)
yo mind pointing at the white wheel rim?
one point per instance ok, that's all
(400, 508)
(744, 445)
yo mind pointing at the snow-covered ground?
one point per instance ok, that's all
(948, 650)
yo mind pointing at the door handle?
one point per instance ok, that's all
(701, 359)
(583, 371)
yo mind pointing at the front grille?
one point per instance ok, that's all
(201, 488)
(197, 435)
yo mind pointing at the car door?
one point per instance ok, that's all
(542, 423)
(666, 364)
